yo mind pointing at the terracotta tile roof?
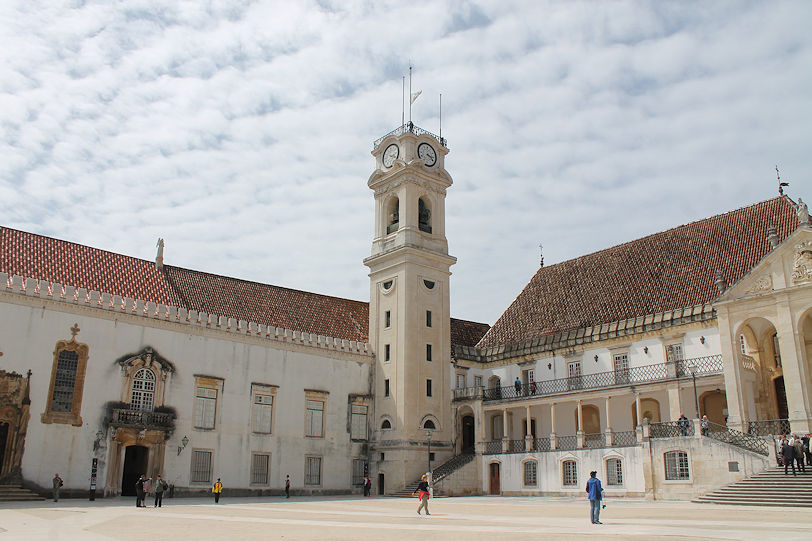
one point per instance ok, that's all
(467, 333)
(660, 272)
(45, 258)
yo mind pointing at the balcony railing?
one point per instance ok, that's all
(515, 446)
(594, 441)
(772, 427)
(566, 443)
(626, 438)
(408, 127)
(755, 444)
(541, 444)
(141, 419)
(702, 366)
(493, 447)
(671, 429)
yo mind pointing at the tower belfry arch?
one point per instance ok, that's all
(409, 315)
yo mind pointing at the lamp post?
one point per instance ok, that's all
(692, 369)
(428, 439)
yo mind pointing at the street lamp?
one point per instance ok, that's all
(692, 370)
(428, 439)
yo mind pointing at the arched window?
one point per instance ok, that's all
(569, 469)
(531, 474)
(423, 216)
(143, 393)
(676, 466)
(386, 425)
(614, 472)
(392, 215)
(429, 425)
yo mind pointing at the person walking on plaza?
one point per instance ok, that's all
(594, 492)
(287, 486)
(422, 492)
(788, 456)
(367, 486)
(217, 489)
(57, 485)
(799, 454)
(160, 488)
(139, 491)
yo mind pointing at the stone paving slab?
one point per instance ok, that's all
(372, 519)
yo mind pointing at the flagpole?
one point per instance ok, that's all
(441, 116)
(410, 93)
(403, 103)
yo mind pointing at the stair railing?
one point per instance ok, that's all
(734, 437)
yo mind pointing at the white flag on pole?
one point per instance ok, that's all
(415, 95)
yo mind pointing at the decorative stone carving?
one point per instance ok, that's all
(803, 212)
(802, 270)
(14, 411)
(764, 283)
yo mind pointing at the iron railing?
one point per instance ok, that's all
(627, 438)
(733, 437)
(139, 418)
(515, 446)
(702, 366)
(408, 127)
(452, 465)
(671, 429)
(541, 444)
(566, 443)
(772, 427)
(594, 441)
(493, 447)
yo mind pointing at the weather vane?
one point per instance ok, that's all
(780, 184)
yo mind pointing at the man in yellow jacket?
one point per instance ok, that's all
(217, 489)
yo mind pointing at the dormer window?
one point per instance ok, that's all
(393, 215)
(423, 216)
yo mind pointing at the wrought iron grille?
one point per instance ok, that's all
(671, 429)
(138, 418)
(739, 439)
(772, 427)
(701, 366)
(626, 438)
(516, 446)
(594, 441)
(566, 443)
(493, 447)
(409, 127)
(541, 444)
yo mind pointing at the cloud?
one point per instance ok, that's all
(241, 133)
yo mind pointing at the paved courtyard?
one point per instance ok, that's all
(373, 519)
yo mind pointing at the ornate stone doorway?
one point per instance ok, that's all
(14, 415)
(135, 463)
(468, 434)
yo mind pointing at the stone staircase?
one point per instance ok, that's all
(438, 473)
(769, 488)
(16, 493)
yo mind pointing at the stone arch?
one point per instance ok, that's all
(714, 405)
(762, 384)
(432, 420)
(466, 433)
(494, 390)
(649, 409)
(592, 419)
(424, 217)
(391, 214)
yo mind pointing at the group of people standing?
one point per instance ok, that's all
(146, 486)
(794, 450)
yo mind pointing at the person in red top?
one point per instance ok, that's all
(422, 491)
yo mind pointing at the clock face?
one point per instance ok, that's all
(427, 153)
(390, 155)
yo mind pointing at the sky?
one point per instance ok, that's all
(241, 131)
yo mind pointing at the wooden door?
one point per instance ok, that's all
(494, 479)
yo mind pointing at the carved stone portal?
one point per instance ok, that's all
(15, 403)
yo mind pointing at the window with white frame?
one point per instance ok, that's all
(676, 466)
(531, 473)
(358, 471)
(260, 468)
(206, 391)
(312, 470)
(460, 381)
(314, 418)
(477, 381)
(262, 409)
(201, 466)
(142, 396)
(358, 424)
(621, 364)
(569, 473)
(614, 472)
(574, 375)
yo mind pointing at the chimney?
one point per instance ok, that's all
(720, 282)
(159, 258)
(772, 235)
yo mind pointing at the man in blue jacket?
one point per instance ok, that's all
(595, 493)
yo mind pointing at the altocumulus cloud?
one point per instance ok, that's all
(241, 133)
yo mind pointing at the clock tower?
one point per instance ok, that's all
(409, 321)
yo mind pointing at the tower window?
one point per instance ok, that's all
(386, 387)
(387, 349)
(428, 352)
(387, 319)
(423, 216)
(428, 387)
(393, 215)
(428, 318)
